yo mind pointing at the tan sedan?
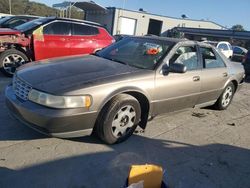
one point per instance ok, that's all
(121, 87)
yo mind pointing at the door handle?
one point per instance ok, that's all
(62, 39)
(196, 78)
(225, 74)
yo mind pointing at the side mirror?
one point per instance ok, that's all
(174, 67)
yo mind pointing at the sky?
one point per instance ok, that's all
(224, 12)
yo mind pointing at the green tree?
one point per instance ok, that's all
(238, 27)
(33, 8)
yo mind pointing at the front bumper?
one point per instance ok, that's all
(62, 123)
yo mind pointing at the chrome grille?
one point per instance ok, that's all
(21, 88)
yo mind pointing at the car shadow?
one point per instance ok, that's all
(185, 165)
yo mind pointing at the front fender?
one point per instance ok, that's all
(122, 90)
(144, 116)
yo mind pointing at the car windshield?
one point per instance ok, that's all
(142, 53)
(32, 24)
(2, 20)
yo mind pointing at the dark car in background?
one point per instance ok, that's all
(238, 53)
(121, 86)
(14, 21)
(48, 38)
(246, 63)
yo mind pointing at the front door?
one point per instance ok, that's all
(176, 91)
(52, 41)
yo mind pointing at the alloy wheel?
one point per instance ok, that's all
(123, 121)
(11, 62)
(227, 96)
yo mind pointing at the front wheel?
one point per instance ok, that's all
(118, 119)
(10, 60)
(226, 97)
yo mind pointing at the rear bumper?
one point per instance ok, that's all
(62, 123)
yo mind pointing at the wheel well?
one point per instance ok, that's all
(235, 84)
(144, 103)
(19, 48)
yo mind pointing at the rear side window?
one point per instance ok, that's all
(210, 60)
(186, 55)
(57, 28)
(81, 29)
(15, 22)
(223, 46)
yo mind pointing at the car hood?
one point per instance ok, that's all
(8, 31)
(62, 75)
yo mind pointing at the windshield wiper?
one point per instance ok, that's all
(139, 67)
(116, 60)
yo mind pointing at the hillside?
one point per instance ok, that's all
(34, 8)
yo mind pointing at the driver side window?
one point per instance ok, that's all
(186, 55)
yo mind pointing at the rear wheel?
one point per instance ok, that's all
(226, 97)
(10, 60)
(118, 119)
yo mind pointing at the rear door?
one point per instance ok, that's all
(83, 39)
(214, 75)
(54, 41)
(176, 91)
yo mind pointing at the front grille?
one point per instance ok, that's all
(21, 88)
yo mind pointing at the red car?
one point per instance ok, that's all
(47, 38)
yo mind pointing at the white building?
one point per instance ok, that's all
(120, 21)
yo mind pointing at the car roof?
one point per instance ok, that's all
(76, 20)
(167, 39)
(175, 40)
(28, 16)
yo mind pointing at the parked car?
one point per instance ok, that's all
(121, 86)
(47, 38)
(225, 47)
(238, 53)
(14, 21)
(246, 63)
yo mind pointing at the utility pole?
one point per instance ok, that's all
(10, 6)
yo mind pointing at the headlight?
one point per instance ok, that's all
(59, 101)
